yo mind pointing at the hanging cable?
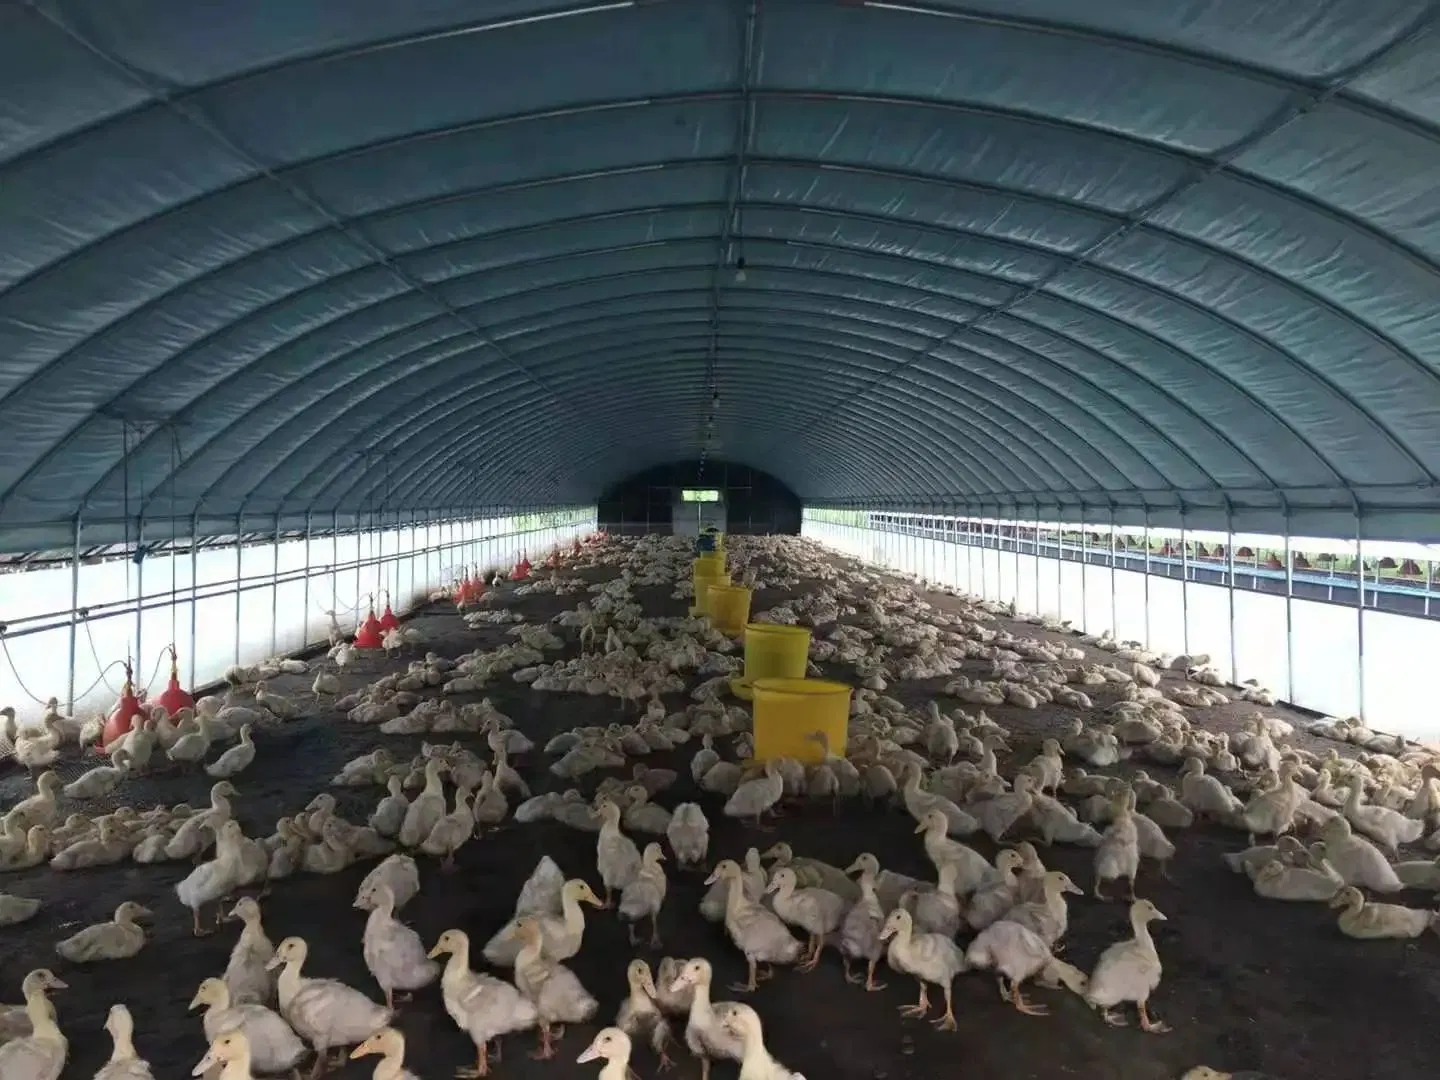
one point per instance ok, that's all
(95, 655)
(125, 489)
(164, 651)
(5, 645)
(174, 554)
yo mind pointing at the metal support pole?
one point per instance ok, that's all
(275, 589)
(194, 589)
(1289, 616)
(238, 545)
(305, 636)
(1360, 613)
(1148, 638)
(139, 556)
(1184, 583)
(1035, 550)
(1084, 577)
(1114, 619)
(335, 561)
(1230, 589)
(74, 617)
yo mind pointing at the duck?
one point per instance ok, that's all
(427, 809)
(324, 1012)
(1278, 880)
(756, 931)
(705, 1034)
(756, 1063)
(451, 831)
(971, 868)
(921, 803)
(1356, 859)
(1367, 920)
(106, 848)
(274, 1046)
(689, 836)
(393, 952)
(212, 880)
(17, 909)
(642, 815)
(645, 895)
(191, 748)
(1016, 953)
(389, 814)
(1388, 828)
(813, 873)
(236, 759)
(1048, 917)
(929, 958)
(753, 798)
(613, 1046)
(101, 780)
(124, 1063)
(398, 873)
(860, 932)
(390, 1045)
(557, 993)
(247, 977)
(640, 1016)
(482, 1006)
(997, 895)
(1118, 855)
(1129, 971)
(616, 856)
(563, 931)
(816, 911)
(117, 939)
(41, 1054)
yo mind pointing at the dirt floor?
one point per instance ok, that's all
(1248, 984)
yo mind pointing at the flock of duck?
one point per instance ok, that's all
(264, 1015)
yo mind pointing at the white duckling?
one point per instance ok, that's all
(1129, 971)
(756, 931)
(42, 808)
(860, 932)
(753, 879)
(612, 1045)
(115, 939)
(1049, 917)
(640, 1016)
(17, 909)
(101, 780)
(1118, 855)
(1016, 953)
(971, 868)
(393, 952)
(274, 1046)
(930, 958)
(1366, 920)
(642, 815)
(389, 814)
(212, 880)
(1388, 828)
(482, 1006)
(756, 1063)
(753, 798)
(105, 848)
(191, 748)
(1279, 880)
(689, 836)
(1419, 873)
(616, 856)
(816, 911)
(41, 1054)
(643, 897)
(998, 894)
(556, 991)
(1357, 860)
(705, 1036)
(399, 873)
(920, 803)
(247, 975)
(427, 809)
(124, 1063)
(35, 850)
(390, 1045)
(451, 832)
(230, 1055)
(564, 930)
(235, 760)
(324, 1012)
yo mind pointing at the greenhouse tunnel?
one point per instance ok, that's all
(404, 362)
(1140, 268)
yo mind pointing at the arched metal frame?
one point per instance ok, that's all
(1099, 265)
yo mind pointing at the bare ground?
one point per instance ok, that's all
(1248, 983)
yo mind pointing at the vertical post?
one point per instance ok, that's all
(1114, 621)
(238, 546)
(1035, 550)
(275, 590)
(1184, 583)
(1148, 638)
(194, 589)
(1084, 575)
(1230, 589)
(335, 561)
(305, 637)
(984, 581)
(139, 556)
(1360, 612)
(1289, 615)
(74, 616)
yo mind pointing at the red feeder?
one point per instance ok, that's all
(125, 715)
(575, 547)
(368, 636)
(388, 620)
(173, 698)
(522, 568)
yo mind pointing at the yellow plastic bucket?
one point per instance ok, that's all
(729, 607)
(703, 583)
(789, 710)
(772, 651)
(711, 562)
